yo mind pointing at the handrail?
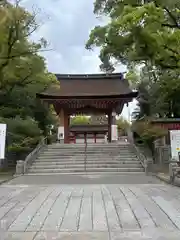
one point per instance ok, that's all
(32, 155)
(85, 156)
(142, 158)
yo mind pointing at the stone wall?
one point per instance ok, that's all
(162, 151)
(162, 154)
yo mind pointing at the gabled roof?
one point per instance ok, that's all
(89, 85)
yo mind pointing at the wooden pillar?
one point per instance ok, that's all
(109, 126)
(113, 119)
(61, 126)
(94, 137)
(61, 118)
(85, 138)
(75, 137)
(114, 133)
(66, 127)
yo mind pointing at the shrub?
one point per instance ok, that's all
(22, 135)
(123, 125)
(148, 132)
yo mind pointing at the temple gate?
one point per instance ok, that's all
(88, 94)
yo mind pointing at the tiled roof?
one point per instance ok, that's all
(89, 85)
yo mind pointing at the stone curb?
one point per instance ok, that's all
(7, 180)
(167, 180)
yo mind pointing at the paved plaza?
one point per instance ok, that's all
(100, 178)
(89, 211)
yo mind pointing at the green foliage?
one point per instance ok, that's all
(23, 73)
(143, 34)
(138, 31)
(148, 132)
(22, 134)
(20, 63)
(123, 125)
(78, 120)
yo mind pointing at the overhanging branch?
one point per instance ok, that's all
(173, 18)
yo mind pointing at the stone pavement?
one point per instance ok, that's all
(85, 179)
(165, 177)
(70, 212)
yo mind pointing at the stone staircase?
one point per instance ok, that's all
(91, 158)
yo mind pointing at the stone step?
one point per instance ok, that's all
(94, 159)
(109, 146)
(109, 151)
(57, 145)
(88, 144)
(104, 146)
(70, 158)
(60, 158)
(82, 166)
(90, 150)
(110, 156)
(88, 158)
(88, 154)
(69, 170)
(66, 148)
(65, 151)
(87, 174)
(82, 162)
(61, 154)
(39, 162)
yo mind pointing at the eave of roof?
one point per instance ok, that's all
(89, 76)
(133, 94)
(166, 120)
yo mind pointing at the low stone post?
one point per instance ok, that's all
(20, 167)
(149, 165)
(130, 136)
(171, 172)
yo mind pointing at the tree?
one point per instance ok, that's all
(20, 63)
(158, 93)
(23, 73)
(148, 132)
(123, 125)
(138, 31)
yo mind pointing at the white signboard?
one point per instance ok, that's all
(2, 140)
(114, 133)
(60, 133)
(175, 144)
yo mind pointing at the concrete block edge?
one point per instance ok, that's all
(166, 179)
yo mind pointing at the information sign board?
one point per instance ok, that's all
(175, 144)
(2, 140)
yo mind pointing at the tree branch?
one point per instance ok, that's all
(173, 18)
(165, 66)
(25, 54)
(21, 83)
(173, 51)
(10, 46)
(170, 25)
